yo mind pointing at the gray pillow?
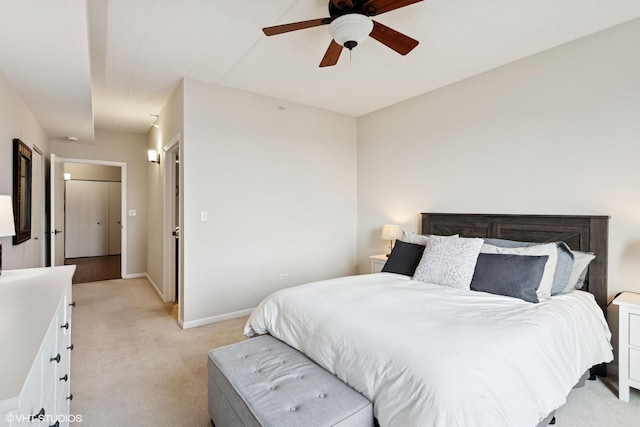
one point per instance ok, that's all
(563, 267)
(515, 276)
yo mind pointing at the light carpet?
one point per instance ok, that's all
(134, 366)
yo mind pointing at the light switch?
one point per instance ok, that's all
(132, 212)
(204, 216)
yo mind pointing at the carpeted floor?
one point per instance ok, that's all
(133, 365)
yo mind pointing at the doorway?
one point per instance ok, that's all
(173, 226)
(93, 221)
(96, 247)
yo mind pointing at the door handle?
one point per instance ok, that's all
(57, 231)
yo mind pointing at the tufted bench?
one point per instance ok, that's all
(264, 382)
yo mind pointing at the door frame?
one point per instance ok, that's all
(123, 200)
(41, 239)
(171, 149)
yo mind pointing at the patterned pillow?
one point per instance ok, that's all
(449, 261)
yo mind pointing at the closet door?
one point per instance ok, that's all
(87, 218)
(115, 228)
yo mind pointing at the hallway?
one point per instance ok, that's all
(94, 269)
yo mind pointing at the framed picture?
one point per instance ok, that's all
(21, 191)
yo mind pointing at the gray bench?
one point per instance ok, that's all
(264, 382)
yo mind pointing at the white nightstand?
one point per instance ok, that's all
(628, 343)
(377, 262)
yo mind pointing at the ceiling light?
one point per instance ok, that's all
(351, 29)
(156, 122)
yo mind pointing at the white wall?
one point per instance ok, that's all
(16, 121)
(555, 133)
(131, 149)
(280, 191)
(171, 124)
(90, 172)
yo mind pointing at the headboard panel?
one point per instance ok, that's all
(581, 233)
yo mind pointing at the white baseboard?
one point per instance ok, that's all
(215, 319)
(154, 286)
(134, 275)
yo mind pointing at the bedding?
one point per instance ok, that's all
(429, 355)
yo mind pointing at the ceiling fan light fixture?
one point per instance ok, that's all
(351, 29)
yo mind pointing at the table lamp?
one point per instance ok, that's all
(7, 226)
(390, 233)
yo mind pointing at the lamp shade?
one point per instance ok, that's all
(351, 29)
(391, 232)
(7, 226)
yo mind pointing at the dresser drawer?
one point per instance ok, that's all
(634, 330)
(634, 364)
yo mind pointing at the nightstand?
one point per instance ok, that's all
(628, 343)
(377, 262)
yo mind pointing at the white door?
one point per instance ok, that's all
(115, 220)
(57, 211)
(86, 218)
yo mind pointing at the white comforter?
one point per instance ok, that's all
(428, 355)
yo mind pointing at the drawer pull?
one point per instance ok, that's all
(70, 347)
(39, 415)
(57, 424)
(65, 326)
(70, 397)
(73, 304)
(56, 359)
(65, 378)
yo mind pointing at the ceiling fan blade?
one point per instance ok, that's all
(342, 4)
(376, 7)
(285, 28)
(331, 55)
(393, 39)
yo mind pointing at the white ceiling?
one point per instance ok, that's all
(139, 51)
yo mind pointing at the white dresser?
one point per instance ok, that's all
(628, 343)
(35, 335)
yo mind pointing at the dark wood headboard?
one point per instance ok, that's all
(581, 233)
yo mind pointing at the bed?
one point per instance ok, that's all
(432, 355)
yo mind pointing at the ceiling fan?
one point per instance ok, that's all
(350, 23)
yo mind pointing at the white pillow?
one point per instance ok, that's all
(548, 249)
(581, 262)
(419, 239)
(449, 261)
(411, 237)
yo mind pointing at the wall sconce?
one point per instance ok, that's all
(390, 233)
(7, 226)
(153, 156)
(67, 176)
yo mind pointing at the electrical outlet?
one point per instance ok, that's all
(284, 276)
